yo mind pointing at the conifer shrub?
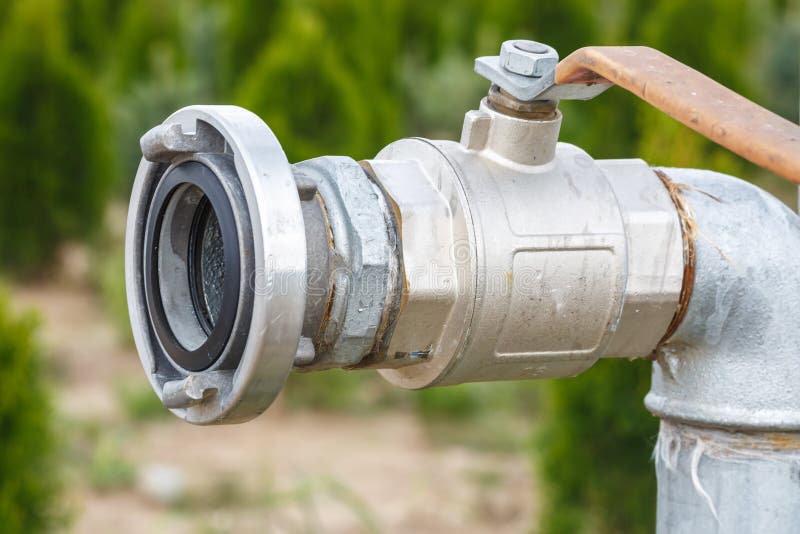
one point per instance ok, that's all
(594, 450)
(28, 475)
(54, 162)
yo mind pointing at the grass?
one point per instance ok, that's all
(139, 402)
(297, 503)
(109, 280)
(108, 469)
(343, 391)
(305, 494)
(94, 455)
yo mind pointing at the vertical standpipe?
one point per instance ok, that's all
(727, 383)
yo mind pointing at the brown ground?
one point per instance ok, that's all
(295, 471)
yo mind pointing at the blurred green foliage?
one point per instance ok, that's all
(108, 468)
(334, 391)
(344, 96)
(457, 403)
(82, 77)
(139, 402)
(340, 391)
(594, 451)
(28, 475)
(53, 140)
(108, 273)
(483, 415)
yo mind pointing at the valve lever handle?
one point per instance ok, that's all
(702, 104)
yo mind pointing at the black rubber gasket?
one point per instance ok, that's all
(202, 177)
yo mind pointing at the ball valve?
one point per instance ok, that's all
(506, 255)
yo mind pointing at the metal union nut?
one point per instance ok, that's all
(528, 58)
(364, 255)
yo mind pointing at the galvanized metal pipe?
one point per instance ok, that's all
(713, 480)
(727, 383)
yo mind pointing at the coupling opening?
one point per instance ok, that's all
(192, 262)
(206, 265)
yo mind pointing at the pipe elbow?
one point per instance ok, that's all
(733, 361)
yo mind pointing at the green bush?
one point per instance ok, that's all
(494, 416)
(150, 39)
(456, 402)
(594, 451)
(320, 88)
(248, 25)
(341, 391)
(28, 478)
(54, 165)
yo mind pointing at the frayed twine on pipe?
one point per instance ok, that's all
(720, 445)
(686, 212)
(668, 448)
(689, 231)
(697, 454)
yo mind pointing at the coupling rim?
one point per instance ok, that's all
(277, 283)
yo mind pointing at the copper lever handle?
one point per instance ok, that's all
(692, 98)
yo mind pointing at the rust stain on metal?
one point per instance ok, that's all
(694, 99)
(723, 444)
(777, 441)
(329, 232)
(327, 315)
(503, 102)
(319, 338)
(689, 231)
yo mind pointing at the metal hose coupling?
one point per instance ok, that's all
(241, 267)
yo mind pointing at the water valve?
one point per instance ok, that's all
(505, 255)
